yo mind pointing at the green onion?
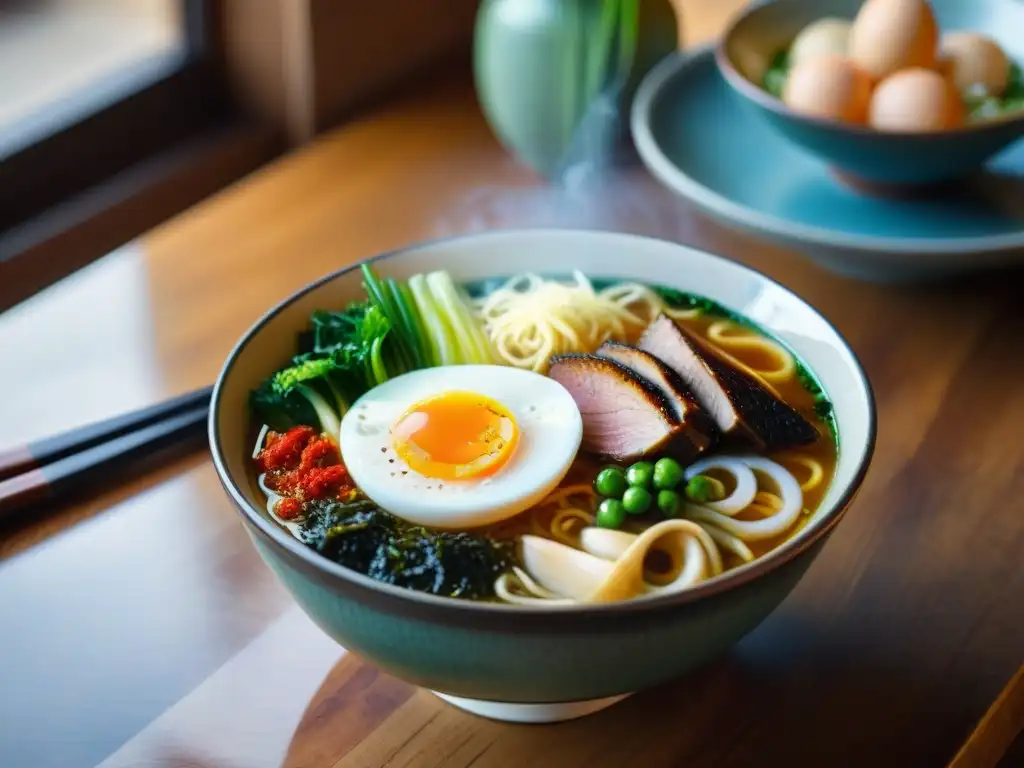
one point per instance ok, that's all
(436, 291)
(408, 324)
(380, 372)
(466, 330)
(422, 339)
(445, 350)
(379, 295)
(485, 353)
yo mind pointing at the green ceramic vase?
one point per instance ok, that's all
(555, 78)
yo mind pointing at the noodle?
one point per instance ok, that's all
(562, 495)
(813, 465)
(518, 588)
(778, 521)
(723, 334)
(565, 520)
(529, 319)
(570, 558)
(766, 504)
(612, 565)
(568, 513)
(729, 543)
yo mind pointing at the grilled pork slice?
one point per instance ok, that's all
(624, 416)
(696, 427)
(742, 408)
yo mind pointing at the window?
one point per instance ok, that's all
(62, 59)
(117, 114)
(103, 104)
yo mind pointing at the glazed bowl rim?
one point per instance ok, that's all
(401, 597)
(753, 92)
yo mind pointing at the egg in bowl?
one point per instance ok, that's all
(461, 447)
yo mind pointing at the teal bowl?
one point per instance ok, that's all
(535, 664)
(868, 159)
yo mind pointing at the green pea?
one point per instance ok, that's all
(702, 489)
(636, 500)
(667, 474)
(610, 481)
(611, 514)
(640, 474)
(668, 503)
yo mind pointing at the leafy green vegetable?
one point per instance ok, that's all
(303, 378)
(330, 330)
(281, 411)
(367, 348)
(400, 328)
(300, 394)
(408, 317)
(807, 381)
(982, 106)
(367, 539)
(823, 410)
(340, 357)
(418, 327)
(822, 406)
(443, 346)
(409, 353)
(777, 72)
(450, 302)
(449, 326)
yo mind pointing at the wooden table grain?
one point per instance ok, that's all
(140, 629)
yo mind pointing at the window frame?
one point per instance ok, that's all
(109, 161)
(250, 85)
(57, 155)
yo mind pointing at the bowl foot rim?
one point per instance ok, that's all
(511, 712)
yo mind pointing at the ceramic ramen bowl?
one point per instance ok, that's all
(543, 664)
(869, 159)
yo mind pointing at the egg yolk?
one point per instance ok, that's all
(455, 436)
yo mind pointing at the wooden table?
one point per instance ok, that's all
(141, 629)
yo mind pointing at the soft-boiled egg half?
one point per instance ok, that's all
(461, 446)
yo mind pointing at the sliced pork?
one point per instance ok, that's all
(624, 416)
(740, 405)
(696, 427)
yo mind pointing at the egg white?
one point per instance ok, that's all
(550, 431)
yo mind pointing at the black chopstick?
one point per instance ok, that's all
(22, 458)
(51, 481)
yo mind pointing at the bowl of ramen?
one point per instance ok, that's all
(895, 95)
(536, 471)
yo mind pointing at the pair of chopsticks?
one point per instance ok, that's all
(48, 469)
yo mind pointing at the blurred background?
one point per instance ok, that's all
(117, 114)
(63, 51)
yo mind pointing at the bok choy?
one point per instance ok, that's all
(401, 327)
